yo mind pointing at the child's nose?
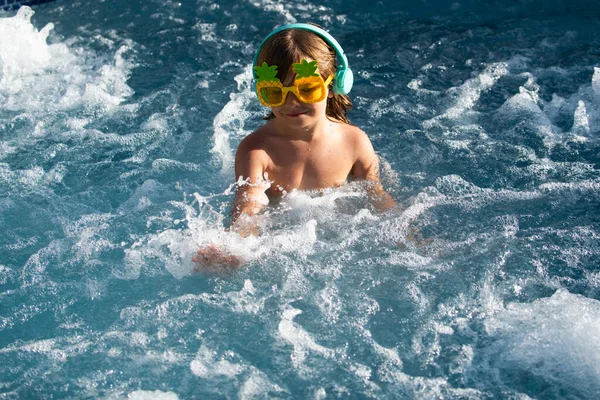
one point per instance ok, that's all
(291, 99)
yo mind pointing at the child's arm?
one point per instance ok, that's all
(366, 166)
(248, 202)
(250, 197)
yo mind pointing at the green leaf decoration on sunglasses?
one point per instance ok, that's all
(266, 73)
(304, 69)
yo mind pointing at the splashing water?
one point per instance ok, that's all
(117, 134)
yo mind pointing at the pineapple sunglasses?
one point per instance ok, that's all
(309, 87)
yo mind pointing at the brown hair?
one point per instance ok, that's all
(291, 46)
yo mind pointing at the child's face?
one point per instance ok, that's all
(296, 112)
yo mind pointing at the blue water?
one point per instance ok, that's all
(117, 133)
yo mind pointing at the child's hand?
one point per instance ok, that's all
(245, 230)
(212, 259)
(247, 225)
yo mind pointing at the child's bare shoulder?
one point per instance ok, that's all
(355, 135)
(254, 141)
(252, 152)
(350, 131)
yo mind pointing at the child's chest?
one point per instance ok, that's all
(306, 167)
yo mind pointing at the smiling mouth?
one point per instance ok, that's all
(296, 114)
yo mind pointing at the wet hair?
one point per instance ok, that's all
(291, 46)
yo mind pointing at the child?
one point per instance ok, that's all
(307, 142)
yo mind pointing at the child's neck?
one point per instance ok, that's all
(305, 133)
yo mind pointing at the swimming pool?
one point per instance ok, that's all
(117, 134)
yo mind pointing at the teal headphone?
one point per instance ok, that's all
(344, 77)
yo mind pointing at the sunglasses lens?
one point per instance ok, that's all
(311, 92)
(271, 95)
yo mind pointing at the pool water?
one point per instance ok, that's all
(117, 134)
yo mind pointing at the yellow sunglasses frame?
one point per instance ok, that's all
(294, 89)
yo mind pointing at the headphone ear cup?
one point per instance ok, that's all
(344, 79)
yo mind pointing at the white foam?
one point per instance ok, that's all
(152, 395)
(583, 106)
(557, 339)
(386, 105)
(232, 119)
(143, 196)
(528, 103)
(210, 364)
(26, 179)
(95, 289)
(588, 185)
(455, 190)
(6, 149)
(300, 339)
(38, 77)
(596, 81)
(257, 385)
(416, 85)
(172, 247)
(329, 303)
(279, 8)
(5, 275)
(207, 31)
(24, 49)
(467, 95)
(87, 232)
(207, 365)
(591, 96)
(412, 260)
(581, 123)
(56, 349)
(290, 228)
(525, 100)
(245, 301)
(135, 338)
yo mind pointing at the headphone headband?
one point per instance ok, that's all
(308, 27)
(344, 77)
